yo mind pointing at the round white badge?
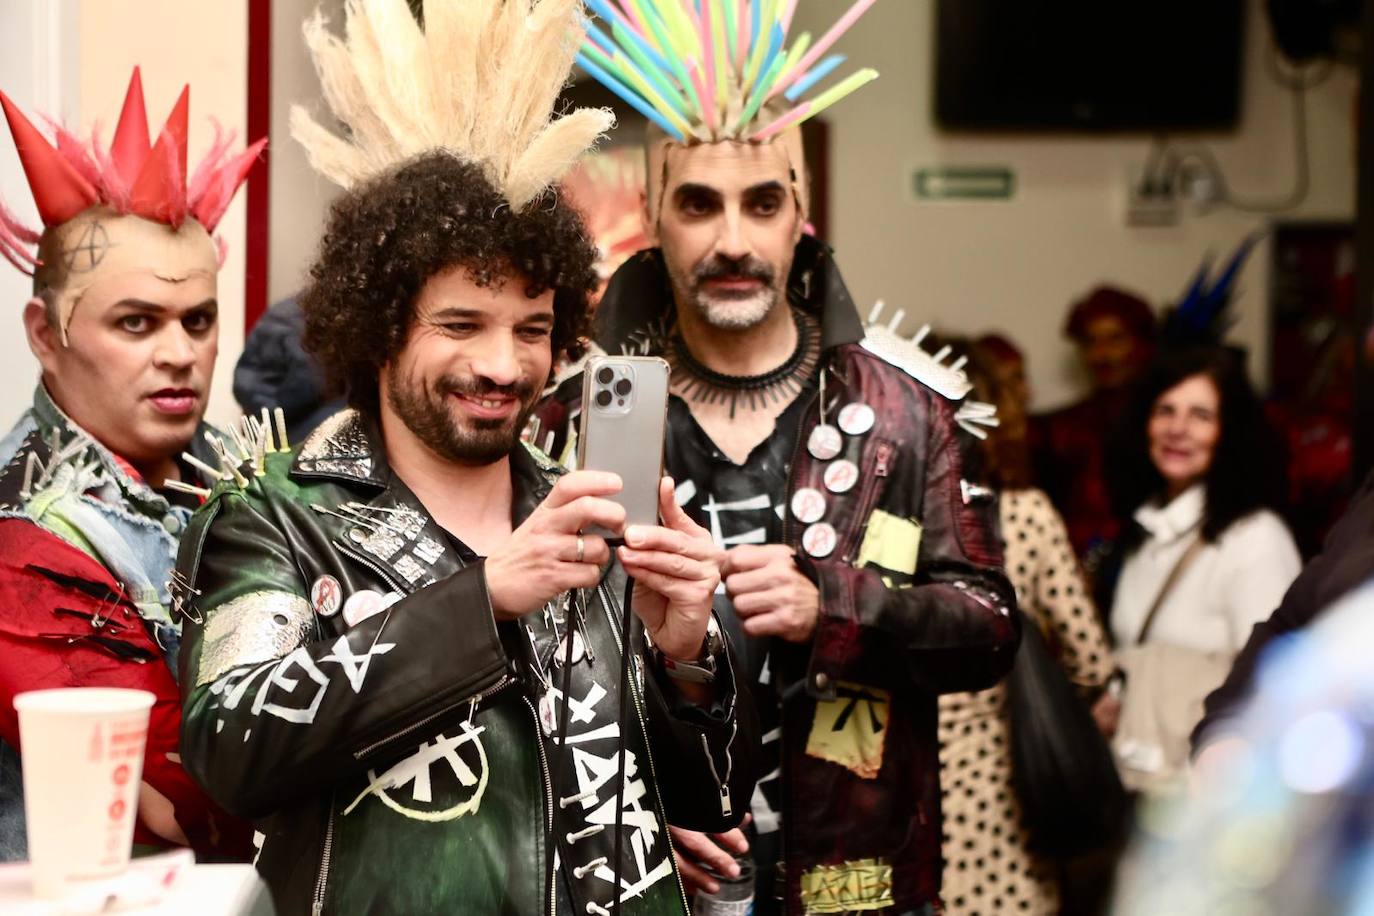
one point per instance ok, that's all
(808, 505)
(857, 419)
(362, 605)
(824, 442)
(326, 596)
(819, 540)
(840, 476)
(548, 713)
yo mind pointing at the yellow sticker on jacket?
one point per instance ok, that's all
(851, 729)
(864, 884)
(890, 542)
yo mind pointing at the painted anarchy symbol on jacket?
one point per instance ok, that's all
(418, 768)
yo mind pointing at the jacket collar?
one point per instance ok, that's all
(48, 417)
(637, 309)
(348, 447)
(1168, 523)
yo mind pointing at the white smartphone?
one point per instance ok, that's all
(622, 428)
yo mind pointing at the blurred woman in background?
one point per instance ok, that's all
(1196, 474)
(988, 867)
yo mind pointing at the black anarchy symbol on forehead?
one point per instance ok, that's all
(90, 249)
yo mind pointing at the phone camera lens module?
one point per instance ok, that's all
(622, 387)
(603, 398)
(604, 375)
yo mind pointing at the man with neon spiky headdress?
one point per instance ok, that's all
(413, 670)
(862, 574)
(94, 495)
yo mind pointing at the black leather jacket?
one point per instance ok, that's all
(396, 762)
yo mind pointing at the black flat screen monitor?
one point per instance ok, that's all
(1070, 65)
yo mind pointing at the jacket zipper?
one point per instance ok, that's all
(648, 754)
(506, 681)
(867, 498)
(374, 566)
(548, 802)
(317, 906)
(722, 785)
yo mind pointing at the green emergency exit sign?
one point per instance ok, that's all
(964, 183)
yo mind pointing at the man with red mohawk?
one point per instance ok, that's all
(93, 493)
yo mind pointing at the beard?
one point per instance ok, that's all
(428, 415)
(729, 310)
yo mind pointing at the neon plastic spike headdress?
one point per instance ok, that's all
(132, 176)
(706, 70)
(479, 80)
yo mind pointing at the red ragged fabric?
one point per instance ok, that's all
(50, 592)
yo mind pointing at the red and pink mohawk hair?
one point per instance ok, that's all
(131, 176)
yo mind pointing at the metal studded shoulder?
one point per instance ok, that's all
(930, 369)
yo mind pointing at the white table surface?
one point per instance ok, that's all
(202, 890)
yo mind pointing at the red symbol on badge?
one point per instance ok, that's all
(808, 505)
(362, 605)
(121, 774)
(117, 809)
(824, 442)
(326, 596)
(840, 476)
(819, 540)
(857, 419)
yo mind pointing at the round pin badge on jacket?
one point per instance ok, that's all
(824, 442)
(857, 418)
(362, 605)
(808, 505)
(326, 596)
(840, 476)
(819, 540)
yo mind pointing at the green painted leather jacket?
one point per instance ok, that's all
(345, 685)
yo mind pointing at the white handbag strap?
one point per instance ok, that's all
(1175, 574)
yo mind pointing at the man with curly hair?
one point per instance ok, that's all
(414, 671)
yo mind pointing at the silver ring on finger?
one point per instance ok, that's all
(581, 549)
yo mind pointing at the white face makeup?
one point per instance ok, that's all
(132, 357)
(100, 247)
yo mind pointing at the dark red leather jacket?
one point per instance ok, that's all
(914, 603)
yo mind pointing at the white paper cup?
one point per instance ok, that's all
(82, 753)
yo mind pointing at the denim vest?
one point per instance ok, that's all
(90, 501)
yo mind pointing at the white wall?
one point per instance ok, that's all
(967, 266)
(1014, 266)
(72, 58)
(300, 198)
(37, 71)
(176, 42)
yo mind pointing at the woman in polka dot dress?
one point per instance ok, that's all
(988, 869)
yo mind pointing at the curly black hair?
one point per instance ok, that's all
(1248, 469)
(387, 237)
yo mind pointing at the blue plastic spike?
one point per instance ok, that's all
(774, 47)
(607, 15)
(813, 76)
(629, 95)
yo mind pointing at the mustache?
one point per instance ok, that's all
(479, 387)
(745, 268)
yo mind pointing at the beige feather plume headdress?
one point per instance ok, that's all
(479, 80)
